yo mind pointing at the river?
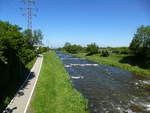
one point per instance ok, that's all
(108, 89)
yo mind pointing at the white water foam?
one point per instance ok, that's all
(143, 82)
(70, 58)
(129, 111)
(146, 82)
(147, 106)
(77, 77)
(70, 65)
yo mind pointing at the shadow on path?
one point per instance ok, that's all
(8, 110)
(21, 92)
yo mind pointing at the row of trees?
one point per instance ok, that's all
(93, 48)
(139, 47)
(16, 50)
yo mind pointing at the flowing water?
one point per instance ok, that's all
(108, 89)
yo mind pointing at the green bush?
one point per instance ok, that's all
(92, 49)
(73, 48)
(26, 55)
(104, 53)
(68, 47)
(6, 101)
(119, 50)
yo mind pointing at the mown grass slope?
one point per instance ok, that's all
(54, 92)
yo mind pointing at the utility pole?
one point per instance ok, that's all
(29, 12)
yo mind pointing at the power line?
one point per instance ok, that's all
(29, 12)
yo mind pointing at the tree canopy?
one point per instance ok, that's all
(140, 45)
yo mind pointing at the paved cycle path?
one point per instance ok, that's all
(20, 102)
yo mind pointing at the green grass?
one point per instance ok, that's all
(113, 60)
(54, 92)
(30, 64)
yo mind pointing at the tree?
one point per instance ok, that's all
(37, 37)
(105, 53)
(28, 36)
(2, 57)
(72, 48)
(34, 38)
(140, 45)
(92, 49)
(67, 44)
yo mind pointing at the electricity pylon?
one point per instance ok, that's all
(29, 12)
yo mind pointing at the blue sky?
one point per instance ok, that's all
(106, 22)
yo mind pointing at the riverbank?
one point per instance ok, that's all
(54, 92)
(114, 60)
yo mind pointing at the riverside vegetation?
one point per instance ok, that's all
(18, 52)
(54, 92)
(135, 58)
(17, 56)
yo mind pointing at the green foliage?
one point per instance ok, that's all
(105, 53)
(26, 55)
(140, 45)
(30, 64)
(7, 100)
(42, 49)
(27, 34)
(15, 52)
(37, 37)
(92, 49)
(12, 39)
(61, 49)
(2, 58)
(72, 48)
(67, 44)
(34, 38)
(119, 50)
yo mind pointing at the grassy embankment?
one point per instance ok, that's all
(54, 92)
(114, 60)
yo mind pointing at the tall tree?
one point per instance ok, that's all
(140, 45)
(37, 37)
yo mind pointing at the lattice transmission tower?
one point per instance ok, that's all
(29, 7)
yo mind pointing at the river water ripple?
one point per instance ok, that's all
(108, 89)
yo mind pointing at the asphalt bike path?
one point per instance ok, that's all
(20, 102)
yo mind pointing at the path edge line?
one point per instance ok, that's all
(33, 86)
